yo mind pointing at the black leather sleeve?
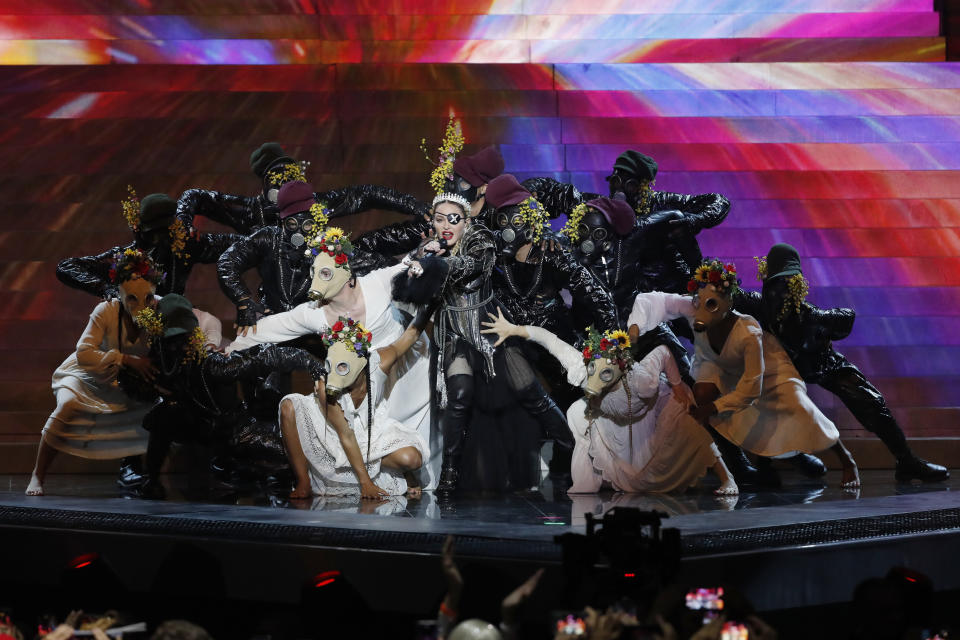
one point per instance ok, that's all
(559, 198)
(749, 303)
(260, 361)
(242, 255)
(90, 273)
(584, 288)
(395, 239)
(363, 197)
(242, 213)
(825, 325)
(209, 247)
(699, 212)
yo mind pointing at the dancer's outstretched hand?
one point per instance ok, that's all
(500, 326)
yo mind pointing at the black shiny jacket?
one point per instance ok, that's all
(245, 214)
(92, 273)
(807, 336)
(209, 388)
(529, 292)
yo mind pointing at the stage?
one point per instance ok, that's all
(826, 539)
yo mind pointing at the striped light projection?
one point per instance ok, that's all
(831, 124)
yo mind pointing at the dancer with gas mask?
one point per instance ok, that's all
(455, 269)
(279, 255)
(99, 407)
(807, 333)
(632, 430)
(198, 387)
(169, 240)
(341, 440)
(336, 291)
(746, 386)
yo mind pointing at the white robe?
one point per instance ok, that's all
(647, 443)
(330, 471)
(94, 418)
(763, 406)
(408, 390)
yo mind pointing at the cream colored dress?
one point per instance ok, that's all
(94, 418)
(763, 404)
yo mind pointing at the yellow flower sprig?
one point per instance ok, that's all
(150, 321)
(761, 267)
(572, 227)
(131, 209)
(453, 141)
(196, 349)
(534, 215)
(293, 172)
(646, 199)
(179, 232)
(320, 213)
(797, 290)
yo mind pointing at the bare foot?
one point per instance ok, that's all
(35, 488)
(302, 491)
(728, 488)
(851, 477)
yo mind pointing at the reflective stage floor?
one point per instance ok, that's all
(813, 531)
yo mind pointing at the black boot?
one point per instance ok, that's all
(157, 449)
(535, 401)
(767, 476)
(913, 468)
(809, 465)
(131, 473)
(736, 460)
(454, 427)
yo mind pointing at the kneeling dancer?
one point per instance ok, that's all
(341, 440)
(632, 430)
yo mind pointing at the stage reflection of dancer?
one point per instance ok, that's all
(341, 439)
(632, 431)
(747, 388)
(95, 417)
(807, 332)
(336, 291)
(170, 241)
(456, 268)
(199, 388)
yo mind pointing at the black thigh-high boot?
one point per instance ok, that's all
(157, 449)
(453, 423)
(535, 401)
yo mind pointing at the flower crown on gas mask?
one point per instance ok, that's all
(133, 263)
(572, 227)
(151, 321)
(713, 272)
(335, 243)
(535, 216)
(611, 345)
(452, 145)
(351, 333)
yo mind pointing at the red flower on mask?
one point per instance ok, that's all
(604, 344)
(692, 286)
(144, 268)
(340, 259)
(714, 276)
(113, 274)
(369, 336)
(337, 327)
(731, 268)
(586, 354)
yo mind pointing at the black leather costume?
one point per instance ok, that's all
(91, 273)
(200, 401)
(244, 214)
(283, 268)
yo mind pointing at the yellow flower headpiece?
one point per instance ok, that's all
(320, 213)
(131, 209)
(534, 215)
(292, 172)
(151, 321)
(646, 199)
(452, 145)
(572, 228)
(797, 289)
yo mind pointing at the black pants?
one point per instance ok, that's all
(867, 405)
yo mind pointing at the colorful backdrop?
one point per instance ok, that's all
(830, 124)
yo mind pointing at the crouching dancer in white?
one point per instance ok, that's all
(632, 431)
(746, 385)
(341, 440)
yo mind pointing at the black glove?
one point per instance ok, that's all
(248, 314)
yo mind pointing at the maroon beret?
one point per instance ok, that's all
(480, 168)
(295, 197)
(504, 190)
(618, 213)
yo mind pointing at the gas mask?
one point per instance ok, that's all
(462, 187)
(344, 366)
(629, 186)
(297, 228)
(136, 294)
(595, 237)
(710, 307)
(327, 278)
(602, 373)
(510, 229)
